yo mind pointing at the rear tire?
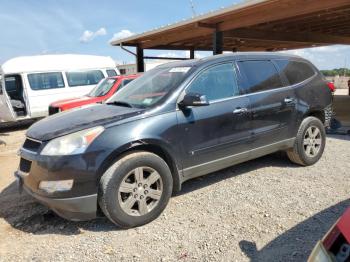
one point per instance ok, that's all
(136, 189)
(309, 143)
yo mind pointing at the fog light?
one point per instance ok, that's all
(56, 186)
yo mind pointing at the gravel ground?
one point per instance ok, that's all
(263, 210)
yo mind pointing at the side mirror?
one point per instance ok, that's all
(194, 99)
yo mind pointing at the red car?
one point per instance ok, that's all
(335, 246)
(103, 90)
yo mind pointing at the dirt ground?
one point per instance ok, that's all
(264, 210)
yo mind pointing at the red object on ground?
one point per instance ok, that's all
(104, 90)
(344, 225)
(341, 228)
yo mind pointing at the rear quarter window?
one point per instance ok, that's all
(258, 76)
(44, 81)
(295, 71)
(84, 78)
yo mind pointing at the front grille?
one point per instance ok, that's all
(25, 165)
(53, 110)
(31, 145)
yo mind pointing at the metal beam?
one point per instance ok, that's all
(140, 60)
(217, 42)
(192, 54)
(291, 37)
(165, 58)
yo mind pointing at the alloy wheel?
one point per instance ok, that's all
(312, 141)
(140, 191)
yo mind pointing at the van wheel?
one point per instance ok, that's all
(136, 189)
(309, 144)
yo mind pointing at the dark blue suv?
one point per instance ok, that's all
(178, 121)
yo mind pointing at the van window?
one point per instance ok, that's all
(259, 76)
(215, 83)
(295, 71)
(111, 72)
(84, 78)
(43, 81)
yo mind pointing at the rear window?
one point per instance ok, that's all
(295, 72)
(44, 81)
(84, 78)
(259, 76)
(111, 72)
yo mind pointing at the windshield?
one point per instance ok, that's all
(103, 87)
(150, 88)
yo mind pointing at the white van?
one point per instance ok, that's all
(29, 84)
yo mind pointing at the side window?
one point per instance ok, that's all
(44, 81)
(259, 76)
(124, 83)
(84, 78)
(295, 72)
(216, 82)
(111, 72)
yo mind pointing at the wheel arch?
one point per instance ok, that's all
(318, 113)
(141, 145)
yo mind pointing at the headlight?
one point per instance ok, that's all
(72, 144)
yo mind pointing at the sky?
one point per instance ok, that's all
(31, 27)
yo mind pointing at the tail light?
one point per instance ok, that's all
(331, 86)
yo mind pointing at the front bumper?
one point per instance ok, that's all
(76, 208)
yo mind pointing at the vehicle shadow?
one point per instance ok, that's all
(278, 159)
(24, 213)
(297, 243)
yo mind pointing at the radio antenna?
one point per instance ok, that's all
(193, 9)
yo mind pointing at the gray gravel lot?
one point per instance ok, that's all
(263, 210)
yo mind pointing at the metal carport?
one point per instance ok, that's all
(257, 25)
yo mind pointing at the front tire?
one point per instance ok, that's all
(309, 144)
(136, 189)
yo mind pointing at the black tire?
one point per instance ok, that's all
(298, 154)
(114, 176)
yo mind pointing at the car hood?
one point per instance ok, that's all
(75, 120)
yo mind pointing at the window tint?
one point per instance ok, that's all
(295, 72)
(259, 76)
(43, 81)
(111, 72)
(216, 83)
(84, 78)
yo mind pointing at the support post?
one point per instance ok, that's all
(191, 53)
(217, 42)
(140, 63)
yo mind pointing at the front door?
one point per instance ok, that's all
(6, 111)
(213, 134)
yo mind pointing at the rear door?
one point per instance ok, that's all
(6, 111)
(273, 103)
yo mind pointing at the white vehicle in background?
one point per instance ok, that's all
(29, 84)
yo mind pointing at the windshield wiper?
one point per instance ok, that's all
(121, 103)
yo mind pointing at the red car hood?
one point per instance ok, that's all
(78, 101)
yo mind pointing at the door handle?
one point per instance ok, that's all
(240, 110)
(289, 100)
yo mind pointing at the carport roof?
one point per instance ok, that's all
(255, 25)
